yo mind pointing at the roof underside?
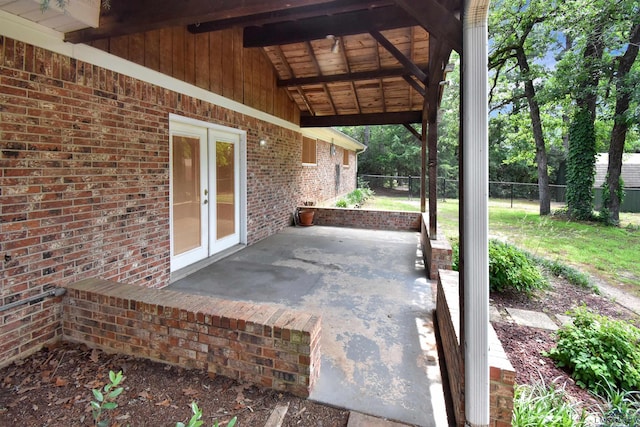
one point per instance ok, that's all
(343, 62)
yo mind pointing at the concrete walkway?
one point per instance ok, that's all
(378, 344)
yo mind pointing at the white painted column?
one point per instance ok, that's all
(476, 214)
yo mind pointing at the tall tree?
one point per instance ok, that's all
(621, 125)
(512, 25)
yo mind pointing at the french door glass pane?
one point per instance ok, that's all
(186, 194)
(225, 189)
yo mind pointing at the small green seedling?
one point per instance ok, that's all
(106, 399)
(197, 415)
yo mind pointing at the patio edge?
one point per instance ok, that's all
(263, 344)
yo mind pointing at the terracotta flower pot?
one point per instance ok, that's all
(306, 217)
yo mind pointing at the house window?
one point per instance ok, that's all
(345, 157)
(309, 151)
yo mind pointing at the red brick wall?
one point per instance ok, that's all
(319, 182)
(265, 345)
(437, 253)
(501, 372)
(363, 218)
(84, 181)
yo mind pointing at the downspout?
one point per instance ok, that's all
(475, 212)
(55, 292)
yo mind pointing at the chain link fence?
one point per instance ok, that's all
(409, 186)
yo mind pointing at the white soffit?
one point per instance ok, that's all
(77, 14)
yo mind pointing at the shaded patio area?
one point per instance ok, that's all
(377, 339)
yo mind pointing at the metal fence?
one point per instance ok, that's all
(409, 186)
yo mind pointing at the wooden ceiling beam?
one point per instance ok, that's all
(344, 24)
(414, 84)
(407, 63)
(395, 118)
(333, 78)
(290, 14)
(437, 19)
(129, 17)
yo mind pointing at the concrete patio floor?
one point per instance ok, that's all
(378, 344)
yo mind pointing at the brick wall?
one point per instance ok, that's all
(436, 252)
(362, 218)
(502, 373)
(265, 345)
(84, 181)
(320, 182)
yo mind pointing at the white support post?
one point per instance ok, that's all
(475, 214)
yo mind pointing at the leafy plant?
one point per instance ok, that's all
(601, 353)
(195, 420)
(622, 408)
(342, 203)
(105, 399)
(509, 268)
(542, 405)
(580, 166)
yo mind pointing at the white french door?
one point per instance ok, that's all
(205, 192)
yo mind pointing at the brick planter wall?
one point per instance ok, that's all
(266, 345)
(437, 252)
(502, 373)
(362, 218)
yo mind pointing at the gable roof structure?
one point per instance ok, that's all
(343, 62)
(630, 173)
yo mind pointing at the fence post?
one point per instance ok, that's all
(512, 195)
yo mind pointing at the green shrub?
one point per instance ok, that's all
(342, 203)
(509, 268)
(541, 405)
(601, 353)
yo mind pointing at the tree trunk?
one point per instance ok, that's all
(620, 125)
(581, 158)
(538, 136)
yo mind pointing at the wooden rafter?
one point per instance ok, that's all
(380, 84)
(334, 78)
(417, 135)
(436, 19)
(402, 59)
(345, 60)
(395, 118)
(412, 37)
(414, 84)
(283, 59)
(290, 14)
(378, 19)
(316, 65)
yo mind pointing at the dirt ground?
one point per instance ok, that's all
(525, 345)
(53, 387)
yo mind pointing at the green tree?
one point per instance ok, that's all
(626, 81)
(515, 43)
(595, 27)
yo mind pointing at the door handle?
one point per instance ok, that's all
(206, 201)
(206, 192)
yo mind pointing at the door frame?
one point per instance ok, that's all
(242, 173)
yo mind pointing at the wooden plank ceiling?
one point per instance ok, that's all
(343, 62)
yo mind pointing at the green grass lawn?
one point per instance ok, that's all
(611, 253)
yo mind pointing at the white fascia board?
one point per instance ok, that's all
(334, 136)
(29, 32)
